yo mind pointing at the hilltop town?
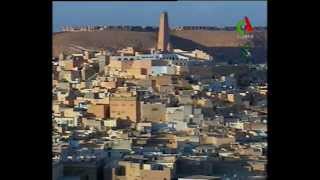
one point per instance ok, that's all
(158, 112)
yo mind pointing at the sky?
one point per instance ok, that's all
(181, 13)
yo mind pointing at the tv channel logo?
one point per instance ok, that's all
(244, 27)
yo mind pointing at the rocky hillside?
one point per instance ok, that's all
(223, 45)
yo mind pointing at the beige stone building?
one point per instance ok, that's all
(99, 110)
(163, 140)
(216, 140)
(92, 123)
(201, 55)
(108, 84)
(233, 98)
(138, 69)
(169, 140)
(203, 102)
(68, 65)
(137, 171)
(162, 80)
(153, 112)
(127, 51)
(69, 112)
(255, 126)
(124, 108)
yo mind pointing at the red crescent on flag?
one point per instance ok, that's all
(248, 26)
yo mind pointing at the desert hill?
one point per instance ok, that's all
(223, 45)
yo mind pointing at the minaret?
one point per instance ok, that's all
(163, 36)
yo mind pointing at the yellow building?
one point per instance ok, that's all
(233, 98)
(99, 110)
(201, 55)
(108, 85)
(129, 68)
(216, 140)
(124, 108)
(203, 102)
(127, 51)
(153, 112)
(137, 171)
(68, 65)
